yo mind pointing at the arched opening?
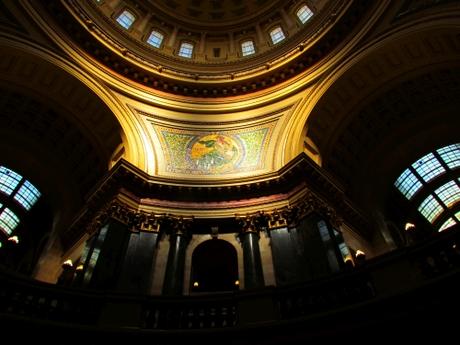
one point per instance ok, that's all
(214, 267)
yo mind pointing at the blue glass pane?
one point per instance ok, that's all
(247, 48)
(155, 39)
(451, 155)
(430, 208)
(408, 184)
(126, 19)
(448, 193)
(428, 167)
(8, 180)
(447, 224)
(186, 50)
(8, 221)
(277, 35)
(27, 195)
(304, 13)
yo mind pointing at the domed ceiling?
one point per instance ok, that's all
(216, 31)
(219, 114)
(215, 13)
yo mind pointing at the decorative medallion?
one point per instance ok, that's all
(214, 153)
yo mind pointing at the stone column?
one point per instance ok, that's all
(172, 38)
(136, 275)
(287, 19)
(179, 236)
(260, 35)
(249, 236)
(140, 25)
(283, 243)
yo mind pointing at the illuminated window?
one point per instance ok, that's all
(247, 48)
(8, 221)
(448, 193)
(186, 50)
(304, 13)
(428, 167)
(27, 195)
(126, 19)
(430, 208)
(450, 155)
(155, 39)
(447, 224)
(408, 184)
(277, 35)
(8, 180)
(24, 192)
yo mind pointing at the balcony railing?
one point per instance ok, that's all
(423, 264)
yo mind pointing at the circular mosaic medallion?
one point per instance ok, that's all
(215, 153)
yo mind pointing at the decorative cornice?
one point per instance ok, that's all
(324, 196)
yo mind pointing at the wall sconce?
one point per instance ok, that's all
(360, 256)
(409, 226)
(195, 284)
(237, 283)
(13, 239)
(67, 264)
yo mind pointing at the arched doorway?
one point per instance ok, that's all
(214, 267)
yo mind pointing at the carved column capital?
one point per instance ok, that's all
(252, 223)
(179, 225)
(311, 203)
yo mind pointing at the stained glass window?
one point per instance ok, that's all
(304, 14)
(408, 184)
(450, 155)
(186, 50)
(277, 35)
(8, 221)
(247, 48)
(449, 193)
(126, 19)
(430, 208)
(155, 39)
(428, 167)
(8, 180)
(27, 195)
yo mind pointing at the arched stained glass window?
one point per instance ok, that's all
(408, 184)
(419, 176)
(428, 167)
(13, 184)
(450, 155)
(27, 195)
(8, 221)
(9, 180)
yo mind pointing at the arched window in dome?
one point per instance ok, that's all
(155, 39)
(426, 174)
(126, 19)
(16, 192)
(248, 48)
(186, 50)
(8, 220)
(304, 13)
(277, 35)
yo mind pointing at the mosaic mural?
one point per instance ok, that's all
(213, 153)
